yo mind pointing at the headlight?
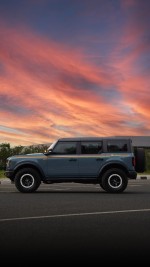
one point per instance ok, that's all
(8, 161)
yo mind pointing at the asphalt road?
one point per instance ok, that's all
(75, 223)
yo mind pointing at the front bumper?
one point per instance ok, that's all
(9, 174)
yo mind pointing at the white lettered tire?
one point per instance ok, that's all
(27, 180)
(114, 180)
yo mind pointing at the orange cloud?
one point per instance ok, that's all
(49, 91)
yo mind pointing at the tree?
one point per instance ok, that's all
(5, 152)
(17, 150)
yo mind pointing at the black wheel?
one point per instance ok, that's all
(140, 160)
(27, 180)
(114, 181)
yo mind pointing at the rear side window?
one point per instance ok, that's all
(117, 146)
(91, 147)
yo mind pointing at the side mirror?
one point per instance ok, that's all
(47, 152)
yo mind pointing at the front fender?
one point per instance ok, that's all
(23, 164)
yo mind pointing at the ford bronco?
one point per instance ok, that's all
(109, 162)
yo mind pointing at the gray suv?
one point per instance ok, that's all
(109, 162)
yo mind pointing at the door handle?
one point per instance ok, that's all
(99, 159)
(72, 159)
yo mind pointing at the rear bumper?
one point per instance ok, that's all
(132, 175)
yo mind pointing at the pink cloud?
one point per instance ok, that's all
(49, 91)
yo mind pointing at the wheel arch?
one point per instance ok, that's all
(112, 166)
(29, 165)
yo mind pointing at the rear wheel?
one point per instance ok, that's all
(27, 180)
(114, 181)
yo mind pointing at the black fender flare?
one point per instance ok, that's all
(30, 164)
(112, 164)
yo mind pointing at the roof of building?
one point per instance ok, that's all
(143, 141)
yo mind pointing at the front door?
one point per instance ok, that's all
(63, 162)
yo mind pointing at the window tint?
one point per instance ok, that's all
(91, 147)
(117, 146)
(65, 148)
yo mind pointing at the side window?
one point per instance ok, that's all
(117, 146)
(91, 147)
(65, 148)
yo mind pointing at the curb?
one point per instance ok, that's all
(143, 177)
(5, 181)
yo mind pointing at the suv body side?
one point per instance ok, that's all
(84, 160)
(55, 165)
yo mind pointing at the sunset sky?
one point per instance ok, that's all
(73, 68)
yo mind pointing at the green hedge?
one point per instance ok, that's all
(2, 174)
(147, 153)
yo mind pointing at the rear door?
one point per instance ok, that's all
(91, 159)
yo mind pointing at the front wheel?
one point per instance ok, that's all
(114, 181)
(27, 180)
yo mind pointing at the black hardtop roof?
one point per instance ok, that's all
(93, 138)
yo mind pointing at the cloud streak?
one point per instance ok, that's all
(50, 90)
